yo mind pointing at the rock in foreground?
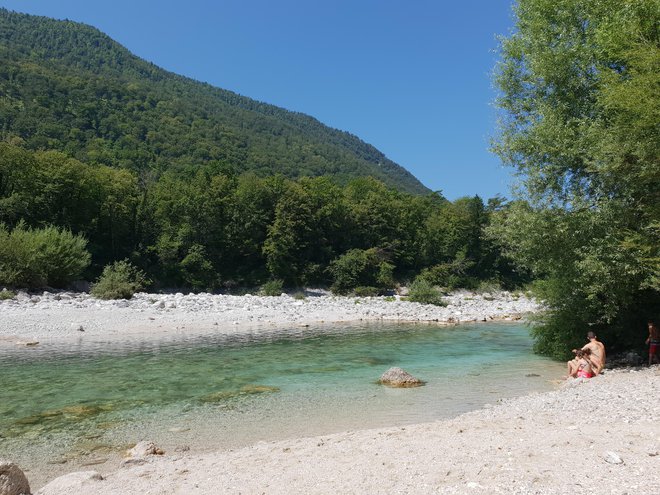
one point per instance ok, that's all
(12, 479)
(144, 449)
(78, 482)
(399, 378)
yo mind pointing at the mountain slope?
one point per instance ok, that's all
(67, 86)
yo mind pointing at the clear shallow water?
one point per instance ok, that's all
(83, 403)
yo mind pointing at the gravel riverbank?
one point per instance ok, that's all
(67, 315)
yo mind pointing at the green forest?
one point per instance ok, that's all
(66, 86)
(206, 229)
(105, 157)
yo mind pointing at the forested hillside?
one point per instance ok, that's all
(66, 86)
(105, 157)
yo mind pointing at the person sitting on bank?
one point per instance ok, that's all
(582, 365)
(653, 341)
(585, 366)
(597, 350)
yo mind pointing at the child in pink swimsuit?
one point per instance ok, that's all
(584, 369)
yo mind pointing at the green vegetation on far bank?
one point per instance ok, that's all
(207, 230)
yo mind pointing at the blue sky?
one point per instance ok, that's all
(412, 78)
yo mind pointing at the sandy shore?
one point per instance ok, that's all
(601, 436)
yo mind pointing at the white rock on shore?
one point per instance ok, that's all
(75, 315)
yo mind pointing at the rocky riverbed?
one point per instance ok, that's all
(61, 315)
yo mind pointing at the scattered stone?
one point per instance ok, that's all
(94, 462)
(225, 309)
(144, 449)
(78, 482)
(399, 378)
(613, 457)
(27, 343)
(12, 479)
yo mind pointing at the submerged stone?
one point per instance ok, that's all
(220, 396)
(82, 411)
(224, 395)
(371, 361)
(258, 389)
(63, 416)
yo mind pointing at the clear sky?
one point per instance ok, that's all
(411, 77)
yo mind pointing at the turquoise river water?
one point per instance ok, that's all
(63, 406)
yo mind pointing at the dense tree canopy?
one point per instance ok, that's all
(203, 228)
(580, 90)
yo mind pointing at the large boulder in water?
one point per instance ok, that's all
(396, 377)
(12, 479)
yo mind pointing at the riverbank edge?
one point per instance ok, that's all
(544, 443)
(30, 319)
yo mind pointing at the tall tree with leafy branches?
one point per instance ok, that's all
(580, 86)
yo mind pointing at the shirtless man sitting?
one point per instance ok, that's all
(597, 356)
(597, 352)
